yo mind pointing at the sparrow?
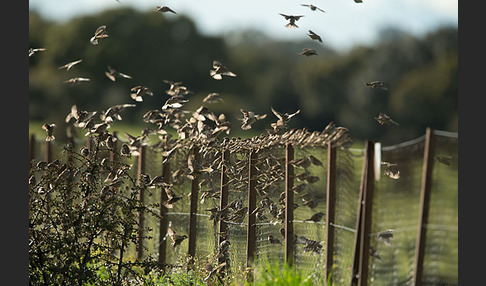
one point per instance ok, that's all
(249, 117)
(446, 160)
(173, 197)
(358, 1)
(308, 52)
(292, 19)
(385, 119)
(385, 236)
(164, 9)
(82, 117)
(312, 7)
(274, 240)
(139, 91)
(49, 128)
(76, 80)
(176, 238)
(113, 74)
(68, 66)
(314, 36)
(316, 217)
(125, 150)
(376, 84)
(220, 70)
(213, 97)
(113, 112)
(99, 34)
(32, 51)
(391, 170)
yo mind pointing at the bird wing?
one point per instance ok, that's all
(278, 114)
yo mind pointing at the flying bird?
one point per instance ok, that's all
(249, 117)
(176, 238)
(32, 51)
(213, 97)
(274, 240)
(292, 19)
(385, 236)
(164, 9)
(308, 52)
(391, 170)
(76, 80)
(99, 34)
(139, 91)
(68, 66)
(112, 74)
(49, 128)
(220, 70)
(385, 119)
(283, 119)
(376, 84)
(314, 36)
(446, 160)
(313, 7)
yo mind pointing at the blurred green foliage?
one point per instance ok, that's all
(420, 73)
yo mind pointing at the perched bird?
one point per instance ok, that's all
(99, 34)
(316, 217)
(314, 36)
(76, 80)
(164, 9)
(446, 160)
(176, 238)
(112, 74)
(308, 52)
(213, 97)
(249, 117)
(139, 91)
(274, 240)
(32, 51)
(385, 236)
(312, 7)
(68, 66)
(49, 128)
(220, 70)
(292, 19)
(391, 170)
(376, 84)
(385, 119)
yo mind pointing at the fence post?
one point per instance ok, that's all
(330, 208)
(428, 165)
(223, 200)
(193, 209)
(362, 239)
(251, 232)
(289, 204)
(163, 211)
(48, 153)
(32, 150)
(141, 219)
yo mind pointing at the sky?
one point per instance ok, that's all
(343, 25)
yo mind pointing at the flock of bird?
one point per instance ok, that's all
(201, 128)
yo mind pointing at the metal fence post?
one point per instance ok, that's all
(330, 208)
(251, 233)
(289, 205)
(428, 165)
(193, 208)
(362, 240)
(141, 219)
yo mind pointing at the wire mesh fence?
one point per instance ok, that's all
(205, 172)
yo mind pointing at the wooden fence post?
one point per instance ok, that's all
(362, 239)
(223, 200)
(289, 204)
(193, 209)
(330, 208)
(48, 153)
(163, 213)
(251, 232)
(428, 165)
(141, 219)
(32, 154)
